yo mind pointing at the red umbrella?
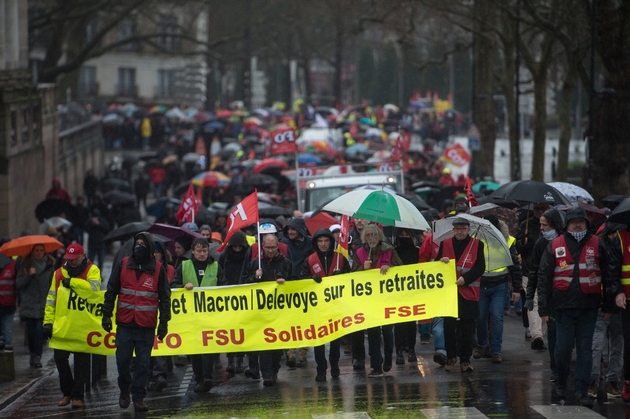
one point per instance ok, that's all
(201, 117)
(224, 114)
(320, 220)
(270, 165)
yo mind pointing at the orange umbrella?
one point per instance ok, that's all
(22, 246)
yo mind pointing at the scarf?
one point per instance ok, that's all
(39, 264)
(578, 236)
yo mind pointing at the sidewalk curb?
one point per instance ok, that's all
(19, 388)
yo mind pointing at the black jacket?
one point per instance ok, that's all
(301, 248)
(525, 243)
(325, 258)
(231, 261)
(573, 297)
(164, 290)
(273, 268)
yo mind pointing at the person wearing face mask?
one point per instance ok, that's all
(375, 253)
(552, 225)
(77, 272)
(33, 282)
(572, 271)
(141, 285)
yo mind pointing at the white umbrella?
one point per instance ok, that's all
(55, 222)
(573, 192)
(496, 251)
(379, 206)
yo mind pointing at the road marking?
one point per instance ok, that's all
(186, 379)
(343, 415)
(454, 413)
(566, 412)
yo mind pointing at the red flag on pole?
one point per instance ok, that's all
(470, 195)
(242, 215)
(188, 207)
(342, 241)
(397, 152)
(283, 140)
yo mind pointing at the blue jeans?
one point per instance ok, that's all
(6, 327)
(333, 356)
(129, 339)
(437, 329)
(575, 325)
(491, 303)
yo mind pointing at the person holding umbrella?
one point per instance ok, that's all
(77, 272)
(572, 271)
(468, 252)
(376, 253)
(33, 282)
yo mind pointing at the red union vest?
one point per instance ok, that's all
(7, 285)
(384, 259)
(138, 299)
(316, 267)
(624, 239)
(59, 275)
(470, 291)
(588, 266)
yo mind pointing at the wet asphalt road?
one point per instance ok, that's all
(517, 388)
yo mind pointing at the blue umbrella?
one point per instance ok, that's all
(357, 148)
(158, 208)
(213, 126)
(307, 158)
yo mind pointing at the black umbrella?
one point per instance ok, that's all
(416, 201)
(116, 197)
(55, 207)
(530, 191)
(205, 215)
(260, 180)
(149, 156)
(115, 183)
(127, 230)
(621, 214)
(268, 210)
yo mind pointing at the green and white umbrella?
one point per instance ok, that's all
(379, 206)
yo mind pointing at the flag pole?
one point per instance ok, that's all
(297, 180)
(259, 249)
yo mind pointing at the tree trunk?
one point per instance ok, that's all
(484, 117)
(540, 122)
(507, 84)
(564, 113)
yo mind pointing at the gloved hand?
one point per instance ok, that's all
(529, 304)
(317, 278)
(162, 330)
(336, 271)
(66, 282)
(47, 331)
(107, 323)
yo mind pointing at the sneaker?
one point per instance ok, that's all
(478, 352)
(538, 344)
(65, 401)
(268, 380)
(561, 389)
(412, 357)
(450, 364)
(400, 358)
(124, 400)
(440, 358)
(139, 406)
(321, 376)
(553, 377)
(387, 363)
(77, 404)
(425, 339)
(612, 389)
(334, 371)
(204, 386)
(358, 365)
(519, 312)
(466, 367)
(291, 362)
(302, 363)
(625, 393)
(528, 336)
(592, 389)
(584, 400)
(496, 359)
(376, 372)
(253, 374)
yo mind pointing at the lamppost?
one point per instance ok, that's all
(591, 125)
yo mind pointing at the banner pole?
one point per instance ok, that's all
(297, 180)
(259, 249)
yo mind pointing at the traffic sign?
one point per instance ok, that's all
(473, 144)
(473, 132)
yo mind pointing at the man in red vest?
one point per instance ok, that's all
(141, 285)
(324, 261)
(459, 334)
(77, 272)
(570, 280)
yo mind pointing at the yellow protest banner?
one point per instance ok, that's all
(268, 315)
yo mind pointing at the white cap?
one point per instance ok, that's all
(334, 227)
(266, 228)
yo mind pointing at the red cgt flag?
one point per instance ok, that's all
(242, 215)
(188, 207)
(342, 241)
